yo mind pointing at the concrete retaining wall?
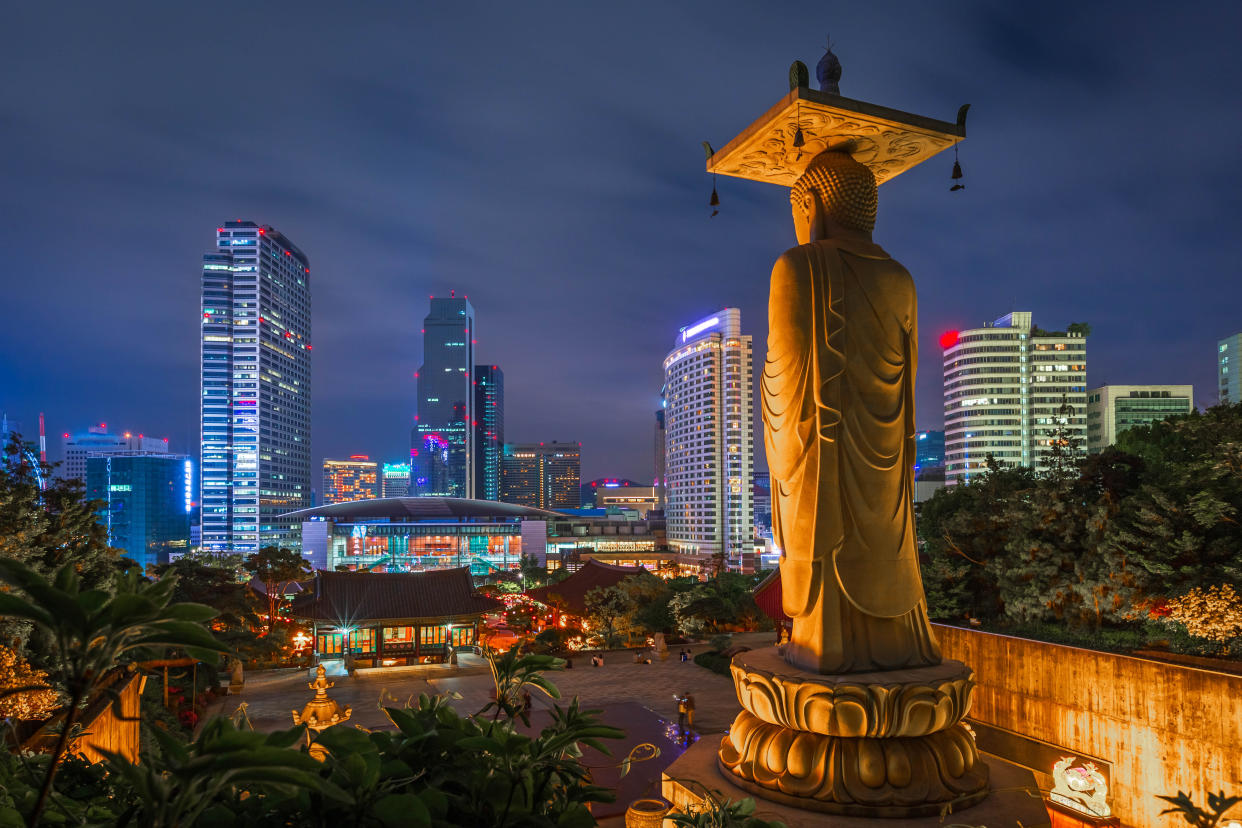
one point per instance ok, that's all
(1164, 727)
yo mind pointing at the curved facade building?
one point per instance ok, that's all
(1006, 386)
(709, 440)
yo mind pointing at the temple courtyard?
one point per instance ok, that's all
(270, 696)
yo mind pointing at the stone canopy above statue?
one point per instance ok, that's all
(887, 141)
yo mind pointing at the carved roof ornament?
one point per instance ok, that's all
(828, 72)
(888, 141)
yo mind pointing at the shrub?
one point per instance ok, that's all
(1213, 613)
(714, 661)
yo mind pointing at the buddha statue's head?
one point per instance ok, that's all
(835, 194)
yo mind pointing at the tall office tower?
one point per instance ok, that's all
(1111, 409)
(489, 430)
(147, 497)
(395, 480)
(347, 480)
(928, 451)
(76, 448)
(256, 389)
(709, 445)
(658, 446)
(1010, 388)
(1229, 368)
(542, 475)
(442, 445)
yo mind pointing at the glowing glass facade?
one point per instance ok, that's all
(147, 498)
(489, 430)
(394, 546)
(442, 442)
(255, 389)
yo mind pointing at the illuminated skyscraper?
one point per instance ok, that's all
(542, 475)
(349, 480)
(1009, 389)
(489, 430)
(256, 373)
(709, 442)
(442, 441)
(395, 480)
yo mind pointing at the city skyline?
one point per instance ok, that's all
(420, 199)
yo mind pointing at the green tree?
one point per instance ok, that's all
(220, 582)
(963, 529)
(45, 529)
(608, 610)
(649, 598)
(722, 603)
(276, 567)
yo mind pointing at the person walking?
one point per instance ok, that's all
(688, 701)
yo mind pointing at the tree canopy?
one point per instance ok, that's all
(1098, 540)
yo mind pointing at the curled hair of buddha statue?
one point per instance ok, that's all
(846, 189)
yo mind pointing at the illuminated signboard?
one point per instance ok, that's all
(189, 485)
(696, 329)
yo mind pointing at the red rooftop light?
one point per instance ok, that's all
(948, 339)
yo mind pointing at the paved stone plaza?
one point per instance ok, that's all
(271, 696)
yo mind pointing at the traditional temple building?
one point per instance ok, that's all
(569, 596)
(385, 619)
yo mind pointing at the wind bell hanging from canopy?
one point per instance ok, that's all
(957, 167)
(714, 201)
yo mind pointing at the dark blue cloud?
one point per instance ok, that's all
(545, 160)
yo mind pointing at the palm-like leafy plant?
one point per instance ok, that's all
(93, 630)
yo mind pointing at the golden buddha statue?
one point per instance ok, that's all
(838, 414)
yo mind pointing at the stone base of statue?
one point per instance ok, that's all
(1014, 799)
(884, 744)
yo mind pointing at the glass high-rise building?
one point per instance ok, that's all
(256, 389)
(489, 430)
(709, 440)
(442, 441)
(347, 480)
(542, 475)
(1009, 389)
(928, 451)
(147, 499)
(1229, 368)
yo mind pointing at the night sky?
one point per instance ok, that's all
(545, 160)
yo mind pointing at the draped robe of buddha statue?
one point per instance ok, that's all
(838, 414)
